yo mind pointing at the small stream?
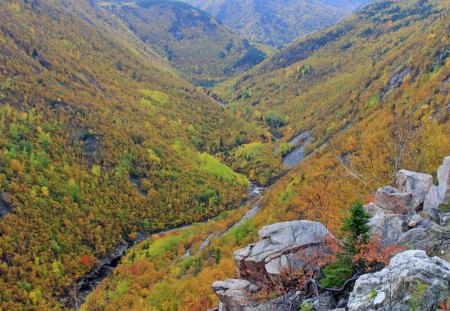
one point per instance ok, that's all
(90, 280)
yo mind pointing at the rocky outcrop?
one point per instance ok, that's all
(439, 195)
(394, 201)
(411, 278)
(443, 175)
(433, 239)
(409, 217)
(281, 246)
(234, 294)
(389, 228)
(417, 184)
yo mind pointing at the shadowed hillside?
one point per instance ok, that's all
(276, 22)
(202, 48)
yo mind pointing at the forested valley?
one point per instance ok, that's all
(120, 121)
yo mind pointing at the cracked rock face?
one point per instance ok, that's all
(234, 294)
(281, 246)
(443, 175)
(389, 228)
(417, 183)
(411, 276)
(391, 199)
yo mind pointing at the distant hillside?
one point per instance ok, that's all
(99, 140)
(277, 22)
(374, 92)
(336, 77)
(202, 48)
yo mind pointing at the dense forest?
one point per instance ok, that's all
(201, 47)
(278, 22)
(373, 91)
(114, 124)
(100, 140)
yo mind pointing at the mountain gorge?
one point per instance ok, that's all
(100, 140)
(108, 136)
(277, 23)
(372, 91)
(192, 41)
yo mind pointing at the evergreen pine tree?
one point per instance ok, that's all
(356, 227)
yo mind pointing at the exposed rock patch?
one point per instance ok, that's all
(394, 287)
(279, 248)
(394, 201)
(411, 216)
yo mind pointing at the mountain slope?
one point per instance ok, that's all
(348, 86)
(99, 140)
(277, 22)
(197, 44)
(332, 79)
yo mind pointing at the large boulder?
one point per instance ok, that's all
(445, 219)
(431, 204)
(281, 246)
(429, 237)
(417, 183)
(394, 201)
(443, 175)
(323, 302)
(411, 278)
(389, 227)
(239, 295)
(374, 209)
(234, 294)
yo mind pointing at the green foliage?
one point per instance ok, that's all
(356, 228)
(418, 296)
(257, 161)
(285, 148)
(214, 167)
(247, 228)
(307, 306)
(156, 96)
(445, 208)
(356, 225)
(278, 22)
(338, 272)
(275, 119)
(200, 47)
(95, 145)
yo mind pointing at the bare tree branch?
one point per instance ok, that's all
(354, 175)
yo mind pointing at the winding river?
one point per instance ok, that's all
(90, 280)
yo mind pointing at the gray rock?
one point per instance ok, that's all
(431, 204)
(322, 302)
(433, 239)
(389, 227)
(417, 183)
(234, 294)
(444, 219)
(281, 246)
(443, 175)
(397, 285)
(379, 299)
(374, 209)
(397, 202)
(412, 224)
